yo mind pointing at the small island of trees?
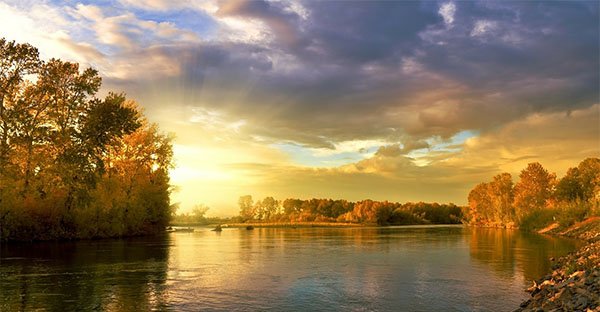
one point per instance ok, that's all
(73, 165)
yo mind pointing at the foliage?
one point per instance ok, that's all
(492, 201)
(534, 189)
(197, 216)
(365, 211)
(571, 212)
(538, 219)
(73, 165)
(538, 199)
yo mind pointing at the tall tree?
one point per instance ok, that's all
(480, 204)
(246, 207)
(269, 207)
(589, 177)
(570, 188)
(72, 165)
(534, 189)
(501, 196)
(16, 61)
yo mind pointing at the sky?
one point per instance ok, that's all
(387, 100)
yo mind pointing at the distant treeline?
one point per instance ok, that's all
(365, 211)
(538, 198)
(73, 165)
(198, 217)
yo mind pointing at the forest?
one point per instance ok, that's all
(363, 212)
(73, 165)
(538, 199)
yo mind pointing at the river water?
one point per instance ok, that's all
(438, 268)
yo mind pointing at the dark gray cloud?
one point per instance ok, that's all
(389, 70)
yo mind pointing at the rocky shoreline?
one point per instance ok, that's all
(574, 284)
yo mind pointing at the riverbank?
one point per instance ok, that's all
(574, 284)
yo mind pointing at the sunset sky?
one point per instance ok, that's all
(402, 101)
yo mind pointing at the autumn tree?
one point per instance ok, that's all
(292, 206)
(502, 197)
(589, 179)
(246, 207)
(569, 188)
(491, 203)
(480, 204)
(270, 207)
(16, 61)
(534, 189)
(578, 192)
(199, 212)
(581, 183)
(73, 165)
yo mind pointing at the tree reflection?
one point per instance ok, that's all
(108, 275)
(507, 251)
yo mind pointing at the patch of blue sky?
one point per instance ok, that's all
(436, 144)
(85, 33)
(109, 4)
(183, 18)
(454, 144)
(196, 21)
(463, 136)
(314, 158)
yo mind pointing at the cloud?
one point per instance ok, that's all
(482, 27)
(281, 19)
(376, 87)
(447, 11)
(279, 63)
(556, 139)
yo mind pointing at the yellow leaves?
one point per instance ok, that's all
(145, 150)
(56, 139)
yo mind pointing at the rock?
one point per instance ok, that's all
(574, 283)
(581, 303)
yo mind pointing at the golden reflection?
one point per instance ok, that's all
(279, 269)
(513, 252)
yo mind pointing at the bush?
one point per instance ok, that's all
(402, 217)
(538, 219)
(573, 212)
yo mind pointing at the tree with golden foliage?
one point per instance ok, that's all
(73, 165)
(538, 199)
(534, 190)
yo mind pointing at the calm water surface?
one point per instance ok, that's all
(308, 269)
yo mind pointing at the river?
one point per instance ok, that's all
(414, 268)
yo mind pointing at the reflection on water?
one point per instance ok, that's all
(109, 275)
(507, 251)
(395, 268)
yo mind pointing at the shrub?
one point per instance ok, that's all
(572, 212)
(538, 219)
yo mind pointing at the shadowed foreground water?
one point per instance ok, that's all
(339, 269)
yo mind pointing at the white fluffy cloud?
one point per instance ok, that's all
(447, 11)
